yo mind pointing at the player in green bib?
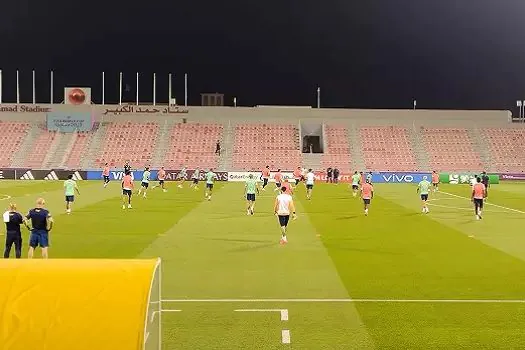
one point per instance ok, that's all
(210, 180)
(250, 188)
(69, 188)
(356, 178)
(423, 188)
(145, 181)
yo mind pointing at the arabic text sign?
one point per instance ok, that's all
(129, 109)
(69, 122)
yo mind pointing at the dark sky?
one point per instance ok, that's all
(367, 53)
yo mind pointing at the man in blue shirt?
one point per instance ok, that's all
(13, 220)
(41, 223)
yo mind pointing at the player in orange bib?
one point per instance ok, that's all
(367, 194)
(286, 184)
(265, 176)
(127, 190)
(435, 181)
(161, 176)
(278, 177)
(479, 192)
(105, 175)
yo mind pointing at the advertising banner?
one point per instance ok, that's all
(242, 176)
(512, 177)
(171, 175)
(387, 177)
(30, 174)
(7, 174)
(69, 121)
(464, 178)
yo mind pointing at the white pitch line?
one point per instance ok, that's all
(283, 312)
(285, 336)
(495, 205)
(429, 301)
(284, 315)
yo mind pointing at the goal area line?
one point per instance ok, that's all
(421, 301)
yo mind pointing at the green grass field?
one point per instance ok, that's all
(397, 279)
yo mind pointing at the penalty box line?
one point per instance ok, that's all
(487, 203)
(407, 301)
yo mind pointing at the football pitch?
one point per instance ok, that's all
(397, 279)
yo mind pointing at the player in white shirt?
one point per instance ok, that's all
(283, 207)
(309, 181)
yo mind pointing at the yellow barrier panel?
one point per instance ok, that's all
(74, 304)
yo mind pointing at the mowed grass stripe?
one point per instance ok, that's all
(104, 230)
(500, 228)
(217, 251)
(397, 253)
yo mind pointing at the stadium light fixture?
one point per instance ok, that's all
(521, 105)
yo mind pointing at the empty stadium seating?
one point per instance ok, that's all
(450, 149)
(387, 148)
(193, 145)
(337, 152)
(507, 148)
(78, 149)
(12, 135)
(40, 149)
(258, 145)
(128, 141)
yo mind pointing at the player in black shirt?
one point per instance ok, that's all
(13, 220)
(485, 180)
(127, 167)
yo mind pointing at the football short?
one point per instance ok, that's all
(435, 184)
(309, 187)
(366, 201)
(424, 197)
(478, 203)
(39, 238)
(297, 181)
(145, 184)
(161, 182)
(126, 193)
(283, 220)
(70, 198)
(265, 181)
(210, 186)
(355, 187)
(106, 178)
(250, 197)
(278, 184)
(195, 181)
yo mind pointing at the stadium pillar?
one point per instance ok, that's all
(137, 91)
(0, 86)
(120, 89)
(154, 89)
(169, 89)
(51, 88)
(186, 90)
(34, 87)
(17, 87)
(318, 97)
(103, 88)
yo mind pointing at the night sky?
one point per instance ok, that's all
(369, 53)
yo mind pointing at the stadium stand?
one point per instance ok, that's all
(451, 149)
(77, 149)
(387, 148)
(40, 149)
(128, 141)
(193, 145)
(258, 145)
(12, 135)
(507, 148)
(337, 152)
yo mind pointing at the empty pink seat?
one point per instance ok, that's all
(12, 135)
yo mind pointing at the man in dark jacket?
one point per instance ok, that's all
(13, 220)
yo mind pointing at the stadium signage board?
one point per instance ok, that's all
(386, 177)
(69, 122)
(24, 109)
(512, 176)
(171, 175)
(464, 178)
(242, 176)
